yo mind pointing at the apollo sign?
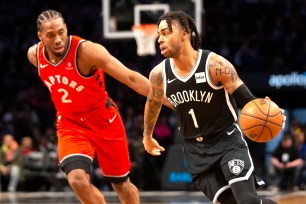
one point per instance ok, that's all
(293, 79)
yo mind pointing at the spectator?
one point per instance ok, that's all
(300, 142)
(45, 146)
(301, 145)
(41, 165)
(26, 145)
(136, 151)
(11, 162)
(286, 160)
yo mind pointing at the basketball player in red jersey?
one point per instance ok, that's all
(88, 122)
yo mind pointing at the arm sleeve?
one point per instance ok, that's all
(242, 95)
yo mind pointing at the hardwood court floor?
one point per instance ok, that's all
(147, 197)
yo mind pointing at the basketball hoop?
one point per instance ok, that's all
(145, 35)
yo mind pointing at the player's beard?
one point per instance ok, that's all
(59, 54)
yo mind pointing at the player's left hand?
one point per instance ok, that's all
(152, 146)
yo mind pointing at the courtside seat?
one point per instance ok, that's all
(40, 170)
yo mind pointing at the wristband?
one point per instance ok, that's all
(242, 95)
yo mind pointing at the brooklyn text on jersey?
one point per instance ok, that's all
(190, 95)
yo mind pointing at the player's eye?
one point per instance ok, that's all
(50, 35)
(167, 33)
(61, 32)
(163, 33)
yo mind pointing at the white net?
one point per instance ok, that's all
(145, 36)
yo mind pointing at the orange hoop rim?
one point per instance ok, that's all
(148, 28)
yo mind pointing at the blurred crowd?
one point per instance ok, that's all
(257, 35)
(284, 167)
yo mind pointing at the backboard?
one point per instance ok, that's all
(120, 15)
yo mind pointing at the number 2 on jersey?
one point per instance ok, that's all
(191, 112)
(65, 95)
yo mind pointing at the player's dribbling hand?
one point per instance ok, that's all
(284, 118)
(152, 146)
(283, 113)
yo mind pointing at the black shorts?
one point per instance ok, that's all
(216, 163)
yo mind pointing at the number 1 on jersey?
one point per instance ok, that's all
(191, 112)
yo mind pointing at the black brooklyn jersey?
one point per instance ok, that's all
(202, 108)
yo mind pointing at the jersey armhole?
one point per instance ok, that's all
(76, 60)
(164, 75)
(37, 57)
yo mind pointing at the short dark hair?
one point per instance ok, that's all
(47, 15)
(186, 22)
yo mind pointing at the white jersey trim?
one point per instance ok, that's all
(221, 190)
(75, 61)
(123, 175)
(163, 64)
(247, 176)
(71, 155)
(67, 51)
(194, 69)
(37, 57)
(244, 178)
(230, 106)
(213, 86)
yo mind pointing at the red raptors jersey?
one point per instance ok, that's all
(72, 93)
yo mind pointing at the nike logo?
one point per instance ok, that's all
(170, 81)
(229, 133)
(111, 120)
(43, 65)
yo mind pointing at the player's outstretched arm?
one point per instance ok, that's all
(93, 55)
(152, 110)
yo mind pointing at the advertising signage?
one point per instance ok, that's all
(291, 80)
(287, 89)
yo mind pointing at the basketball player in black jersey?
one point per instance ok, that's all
(203, 88)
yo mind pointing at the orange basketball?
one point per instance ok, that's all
(261, 120)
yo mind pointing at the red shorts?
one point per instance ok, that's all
(102, 133)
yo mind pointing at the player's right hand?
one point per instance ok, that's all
(284, 118)
(152, 146)
(283, 113)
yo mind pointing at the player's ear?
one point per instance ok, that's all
(39, 35)
(66, 28)
(185, 34)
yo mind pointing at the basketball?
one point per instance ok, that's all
(261, 120)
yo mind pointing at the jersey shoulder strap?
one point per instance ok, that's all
(167, 68)
(205, 54)
(167, 64)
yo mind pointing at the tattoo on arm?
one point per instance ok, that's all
(233, 72)
(153, 103)
(225, 69)
(220, 69)
(223, 72)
